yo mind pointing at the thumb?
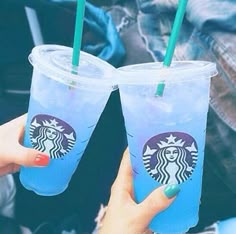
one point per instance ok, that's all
(12, 151)
(29, 157)
(157, 201)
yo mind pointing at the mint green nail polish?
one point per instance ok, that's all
(171, 190)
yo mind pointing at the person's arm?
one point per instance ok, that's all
(123, 214)
(12, 153)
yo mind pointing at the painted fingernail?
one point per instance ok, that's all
(41, 160)
(171, 190)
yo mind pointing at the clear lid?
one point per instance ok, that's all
(55, 61)
(155, 72)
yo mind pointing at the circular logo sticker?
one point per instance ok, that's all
(51, 135)
(170, 157)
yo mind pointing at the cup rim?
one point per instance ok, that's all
(155, 72)
(66, 77)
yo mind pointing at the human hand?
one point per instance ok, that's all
(123, 214)
(12, 153)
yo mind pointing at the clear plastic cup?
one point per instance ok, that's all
(65, 106)
(166, 134)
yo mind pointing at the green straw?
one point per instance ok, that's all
(172, 41)
(78, 32)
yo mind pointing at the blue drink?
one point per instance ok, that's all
(166, 134)
(64, 109)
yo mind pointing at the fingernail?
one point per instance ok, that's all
(41, 160)
(171, 190)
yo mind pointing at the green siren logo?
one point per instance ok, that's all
(170, 157)
(51, 135)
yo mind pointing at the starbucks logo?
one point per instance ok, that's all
(51, 135)
(170, 157)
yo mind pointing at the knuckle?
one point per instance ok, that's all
(156, 204)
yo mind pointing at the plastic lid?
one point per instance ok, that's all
(55, 61)
(179, 71)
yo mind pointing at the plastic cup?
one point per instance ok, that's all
(166, 135)
(65, 106)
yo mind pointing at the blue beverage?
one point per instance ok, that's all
(65, 106)
(166, 134)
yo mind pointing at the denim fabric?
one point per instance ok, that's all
(125, 19)
(101, 37)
